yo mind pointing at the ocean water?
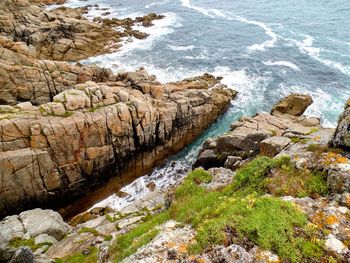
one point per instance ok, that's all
(263, 49)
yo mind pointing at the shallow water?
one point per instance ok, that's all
(263, 49)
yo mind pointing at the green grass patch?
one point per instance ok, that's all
(127, 244)
(88, 230)
(299, 140)
(18, 242)
(235, 213)
(92, 257)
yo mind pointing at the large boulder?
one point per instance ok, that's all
(41, 225)
(273, 145)
(342, 134)
(294, 104)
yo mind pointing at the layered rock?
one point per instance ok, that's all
(264, 133)
(63, 34)
(96, 131)
(342, 134)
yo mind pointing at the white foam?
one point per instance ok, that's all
(306, 47)
(323, 103)
(156, 4)
(282, 63)
(268, 31)
(181, 48)
(210, 12)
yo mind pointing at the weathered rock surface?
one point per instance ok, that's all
(63, 33)
(41, 225)
(294, 104)
(121, 128)
(265, 133)
(342, 134)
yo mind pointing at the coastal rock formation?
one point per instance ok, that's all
(34, 226)
(63, 33)
(99, 130)
(264, 133)
(342, 134)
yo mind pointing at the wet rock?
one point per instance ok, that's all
(294, 104)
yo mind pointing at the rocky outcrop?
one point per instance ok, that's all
(294, 104)
(99, 130)
(342, 134)
(39, 227)
(264, 133)
(63, 33)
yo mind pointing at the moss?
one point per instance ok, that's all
(108, 238)
(313, 130)
(18, 242)
(88, 230)
(92, 257)
(111, 219)
(299, 140)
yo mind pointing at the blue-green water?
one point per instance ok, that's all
(264, 49)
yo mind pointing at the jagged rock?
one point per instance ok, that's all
(273, 145)
(207, 159)
(342, 133)
(264, 133)
(294, 104)
(56, 157)
(232, 253)
(22, 255)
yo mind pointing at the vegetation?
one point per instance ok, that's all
(19, 242)
(239, 211)
(90, 257)
(88, 230)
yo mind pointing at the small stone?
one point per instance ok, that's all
(335, 245)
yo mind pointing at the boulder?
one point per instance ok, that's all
(207, 159)
(294, 104)
(273, 145)
(22, 255)
(39, 221)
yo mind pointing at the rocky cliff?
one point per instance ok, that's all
(67, 128)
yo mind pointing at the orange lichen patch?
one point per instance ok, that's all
(318, 219)
(170, 245)
(331, 220)
(333, 157)
(317, 138)
(196, 259)
(183, 248)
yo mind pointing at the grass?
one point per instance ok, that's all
(88, 230)
(299, 140)
(18, 242)
(234, 214)
(92, 257)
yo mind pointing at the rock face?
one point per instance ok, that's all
(294, 104)
(63, 34)
(121, 128)
(29, 225)
(342, 134)
(265, 133)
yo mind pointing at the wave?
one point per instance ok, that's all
(282, 63)
(212, 12)
(306, 47)
(181, 48)
(156, 4)
(324, 104)
(268, 31)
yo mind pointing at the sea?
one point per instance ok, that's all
(264, 49)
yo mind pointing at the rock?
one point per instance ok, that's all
(22, 255)
(45, 238)
(294, 104)
(232, 254)
(207, 159)
(273, 145)
(335, 245)
(60, 157)
(232, 162)
(38, 221)
(220, 177)
(341, 136)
